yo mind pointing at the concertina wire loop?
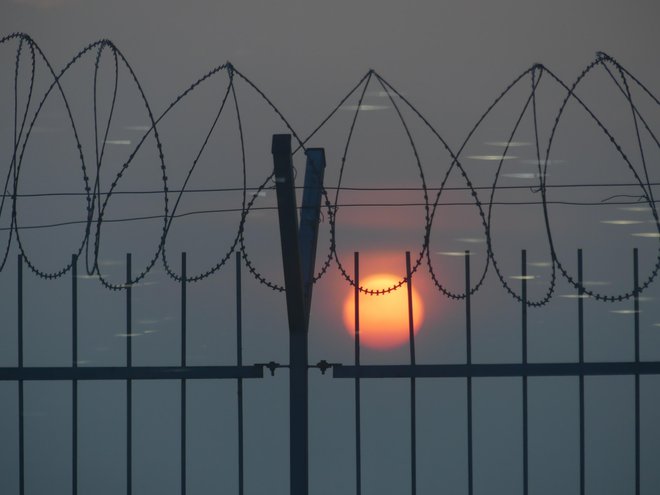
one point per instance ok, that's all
(97, 201)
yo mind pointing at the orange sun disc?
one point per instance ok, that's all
(383, 318)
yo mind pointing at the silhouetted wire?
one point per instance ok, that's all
(601, 59)
(223, 260)
(342, 205)
(580, 185)
(95, 196)
(11, 173)
(18, 157)
(636, 114)
(455, 163)
(336, 108)
(542, 187)
(241, 238)
(125, 166)
(530, 100)
(332, 217)
(97, 200)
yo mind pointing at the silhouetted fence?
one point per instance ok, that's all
(26, 113)
(412, 371)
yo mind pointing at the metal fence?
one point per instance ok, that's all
(299, 251)
(412, 372)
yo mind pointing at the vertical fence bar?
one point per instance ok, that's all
(413, 400)
(637, 398)
(74, 383)
(581, 358)
(239, 362)
(468, 348)
(183, 365)
(21, 422)
(358, 441)
(129, 384)
(524, 378)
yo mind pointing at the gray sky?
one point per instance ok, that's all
(450, 60)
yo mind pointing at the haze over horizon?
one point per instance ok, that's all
(448, 61)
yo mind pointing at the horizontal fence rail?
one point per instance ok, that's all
(494, 370)
(132, 373)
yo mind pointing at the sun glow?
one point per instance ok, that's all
(383, 318)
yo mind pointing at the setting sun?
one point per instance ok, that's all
(383, 318)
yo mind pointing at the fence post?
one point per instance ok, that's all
(129, 382)
(298, 258)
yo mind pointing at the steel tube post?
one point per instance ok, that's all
(21, 416)
(298, 257)
(74, 383)
(525, 431)
(413, 400)
(129, 383)
(239, 363)
(183, 365)
(581, 358)
(358, 412)
(638, 455)
(468, 358)
(288, 218)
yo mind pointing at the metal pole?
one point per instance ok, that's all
(298, 258)
(581, 378)
(288, 218)
(358, 412)
(413, 400)
(468, 346)
(638, 473)
(74, 383)
(129, 383)
(21, 416)
(239, 363)
(524, 378)
(183, 365)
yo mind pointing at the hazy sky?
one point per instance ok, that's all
(450, 60)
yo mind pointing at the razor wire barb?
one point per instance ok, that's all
(97, 200)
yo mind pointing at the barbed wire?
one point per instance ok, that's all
(97, 200)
